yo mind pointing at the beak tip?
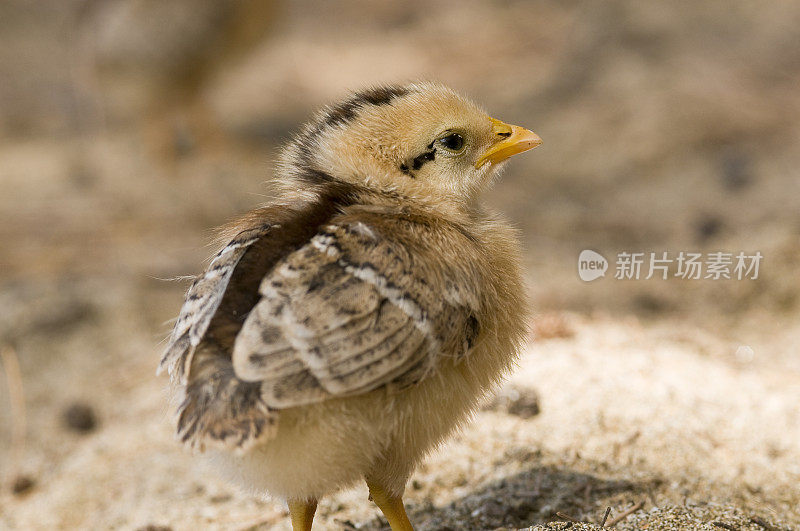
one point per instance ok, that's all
(515, 139)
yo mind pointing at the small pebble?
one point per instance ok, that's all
(525, 406)
(22, 484)
(80, 418)
(220, 498)
(736, 170)
(708, 227)
(520, 402)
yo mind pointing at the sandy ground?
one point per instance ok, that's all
(667, 127)
(660, 414)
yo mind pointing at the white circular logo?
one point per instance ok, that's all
(591, 265)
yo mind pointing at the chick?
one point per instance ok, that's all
(346, 328)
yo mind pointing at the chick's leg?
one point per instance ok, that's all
(302, 513)
(391, 506)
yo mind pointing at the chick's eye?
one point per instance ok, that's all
(453, 142)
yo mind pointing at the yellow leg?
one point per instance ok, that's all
(391, 506)
(302, 513)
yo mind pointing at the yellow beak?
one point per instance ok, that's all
(511, 139)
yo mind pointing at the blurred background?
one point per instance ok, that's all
(130, 128)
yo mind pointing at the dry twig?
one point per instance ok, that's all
(605, 517)
(623, 515)
(762, 523)
(567, 517)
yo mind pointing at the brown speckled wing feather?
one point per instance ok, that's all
(215, 405)
(347, 313)
(202, 300)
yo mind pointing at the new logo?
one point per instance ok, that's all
(591, 265)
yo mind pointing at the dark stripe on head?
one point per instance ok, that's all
(381, 95)
(344, 112)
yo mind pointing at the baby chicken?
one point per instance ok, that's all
(346, 328)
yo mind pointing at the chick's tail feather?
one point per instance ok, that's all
(219, 409)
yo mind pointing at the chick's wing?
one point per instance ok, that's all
(352, 310)
(202, 300)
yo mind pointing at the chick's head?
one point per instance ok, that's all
(421, 139)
